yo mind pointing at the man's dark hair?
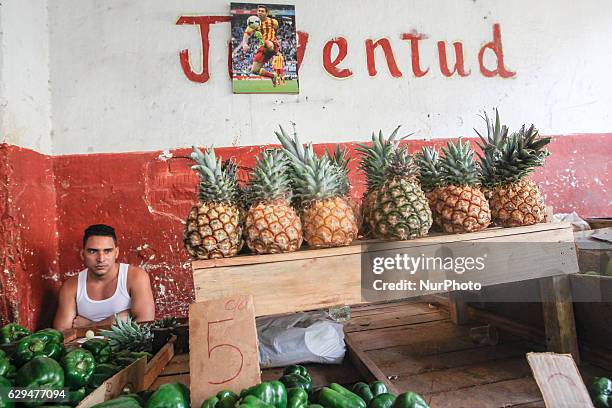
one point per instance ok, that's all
(263, 7)
(99, 230)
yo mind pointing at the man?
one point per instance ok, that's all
(278, 63)
(105, 287)
(269, 44)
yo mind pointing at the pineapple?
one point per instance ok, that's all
(401, 210)
(429, 177)
(515, 199)
(272, 225)
(129, 335)
(341, 160)
(213, 228)
(461, 206)
(320, 186)
(374, 162)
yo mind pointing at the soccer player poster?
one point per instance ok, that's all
(264, 48)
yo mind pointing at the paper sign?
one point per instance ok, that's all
(223, 352)
(559, 380)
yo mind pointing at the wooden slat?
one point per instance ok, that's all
(495, 395)
(407, 307)
(458, 308)
(158, 362)
(181, 378)
(321, 374)
(368, 369)
(282, 283)
(178, 365)
(131, 376)
(528, 332)
(396, 319)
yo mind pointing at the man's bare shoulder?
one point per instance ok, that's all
(137, 274)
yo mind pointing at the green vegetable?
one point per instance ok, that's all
(601, 392)
(382, 401)
(12, 332)
(124, 401)
(79, 366)
(223, 399)
(333, 399)
(297, 397)
(76, 396)
(315, 406)
(7, 370)
(297, 380)
(126, 357)
(368, 392)
(253, 402)
(100, 348)
(5, 385)
(356, 400)
(271, 392)
(171, 395)
(37, 345)
(102, 372)
(297, 369)
(409, 400)
(57, 335)
(40, 373)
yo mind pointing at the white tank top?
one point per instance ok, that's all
(96, 310)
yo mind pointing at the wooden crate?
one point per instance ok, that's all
(131, 377)
(318, 278)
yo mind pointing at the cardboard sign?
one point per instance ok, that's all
(223, 352)
(559, 380)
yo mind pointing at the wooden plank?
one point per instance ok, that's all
(407, 307)
(282, 283)
(396, 319)
(130, 377)
(157, 364)
(495, 395)
(364, 364)
(560, 326)
(559, 380)
(528, 332)
(178, 365)
(321, 374)
(464, 376)
(181, 378)
(458, 308)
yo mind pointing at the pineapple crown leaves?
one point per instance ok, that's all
(341, 160)
(376, 158)
(129, 335)
(496, 133)
(218, 181)
(402, 165)
(270, 178)
(313, 178)
(457, 165)
(428, 161)
(515, 158)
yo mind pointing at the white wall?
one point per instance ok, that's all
(24, 75)
(117, 84)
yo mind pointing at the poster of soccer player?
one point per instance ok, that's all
(264, 48)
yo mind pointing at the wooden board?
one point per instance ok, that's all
(157, 364)
(559, 380)
(282, 283)
(131, 377)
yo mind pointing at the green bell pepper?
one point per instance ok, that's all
(315, 406)
(76, 396)
(12, 332)
(6, 368)
(5, 386)
(40, 373)
(382, 401)
(79, 366)
(368, 392)
(333, 399)
(37, 345)
(253, 402)
(297, 398)
(126, 357)
(101, 373)
(409, 400)
(56, 335)
(297, 369)
(270, 392)
(297, 380)
(601, 392)
(100, 348)
(223, 399)
(171, 395)
(124, 401)
(357, 401)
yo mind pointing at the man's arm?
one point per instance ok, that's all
(143, 305)
(245, 39)
(66, 310)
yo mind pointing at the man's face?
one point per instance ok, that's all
(262, 13)
(100, 254)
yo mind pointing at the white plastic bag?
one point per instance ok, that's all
(300, 338)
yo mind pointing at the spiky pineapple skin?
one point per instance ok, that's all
(401, 211)
(329, 223)
(461, 209)
(273, 227)
(367, 207)
(517, 204)
(213, 230)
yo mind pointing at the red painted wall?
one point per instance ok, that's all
(146, 196)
